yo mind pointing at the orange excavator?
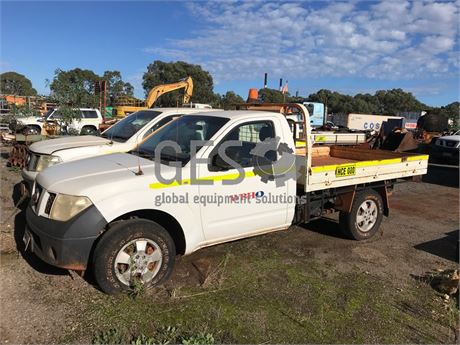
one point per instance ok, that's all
(187, 84)
(154, 94)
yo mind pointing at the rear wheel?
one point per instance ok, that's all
(133, 252)
(365, 217)
(32, 130)
(88, 130)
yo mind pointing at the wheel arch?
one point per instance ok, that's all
(88, 126)
(344, 201)
(383, 192)
(35, 126)
(167, 221)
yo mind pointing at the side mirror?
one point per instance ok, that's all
(40, 119)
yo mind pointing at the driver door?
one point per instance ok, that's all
(245, 209)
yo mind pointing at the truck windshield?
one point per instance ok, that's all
(181, 131)
(130, 125)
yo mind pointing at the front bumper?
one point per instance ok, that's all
(64, 244)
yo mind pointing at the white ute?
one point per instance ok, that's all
(87, 123)
(121, 137)
(127, 215)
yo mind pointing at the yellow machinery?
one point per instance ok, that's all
(130, 107)
(157, 91)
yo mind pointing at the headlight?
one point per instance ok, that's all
(46, 161)
(66, 206)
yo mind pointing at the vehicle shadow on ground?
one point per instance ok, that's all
(445, 247)
(5, 155)
(325, 226)
(444, 176)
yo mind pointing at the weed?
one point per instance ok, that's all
(199, 339)
(164, 336)
(112, 336)
(138, 289)
(14, 168)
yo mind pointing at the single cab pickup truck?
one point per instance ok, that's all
(200, 180)
(121, 137)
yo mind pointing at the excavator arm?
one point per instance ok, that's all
(157, 91)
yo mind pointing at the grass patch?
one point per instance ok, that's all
(264, 297)
(164, 336)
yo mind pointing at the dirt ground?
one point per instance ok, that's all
(304, 285)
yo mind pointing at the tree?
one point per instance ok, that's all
(451, 111)
(12, 83)
(267, 95)
(391, 102)
(160, 72)
(74, 88)
(116, 87)
(230, 99)
(388, 102)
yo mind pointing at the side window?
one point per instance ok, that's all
(160, 123)
(249, 134)
(89, 114)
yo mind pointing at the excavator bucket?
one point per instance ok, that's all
(400, 142)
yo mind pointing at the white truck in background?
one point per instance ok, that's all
(224, 176)
(363, 122)
(87, 123)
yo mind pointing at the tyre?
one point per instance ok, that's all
(132, 252)
(365, 217)
(88, 130)
(31, 130)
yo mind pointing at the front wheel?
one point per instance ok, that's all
(133, 252)
(365, 217)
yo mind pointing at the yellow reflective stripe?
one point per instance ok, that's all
(358, 164)
(417, 158)
(215, 178)
(300, 144)
(319, 138)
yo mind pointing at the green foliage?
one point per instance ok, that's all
(388, 102)
(230, 99)
(273, 96)
(12, 83)
(160, 72)
(116, 87)
(74, 88)
(201, 338)
(138, 289)
(68, 115)
(452, 112)
(112, 336)
(163, 336)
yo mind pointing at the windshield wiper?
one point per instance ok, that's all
(143, 154)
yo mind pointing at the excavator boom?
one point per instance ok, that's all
(157, 91)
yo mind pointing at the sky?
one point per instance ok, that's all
(350, 47)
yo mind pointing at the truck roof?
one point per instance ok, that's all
(234, 114)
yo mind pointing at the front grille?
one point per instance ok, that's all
(50, 202)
